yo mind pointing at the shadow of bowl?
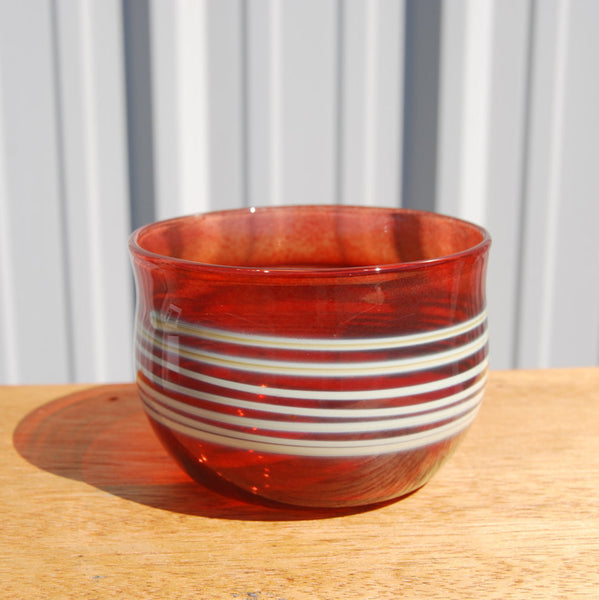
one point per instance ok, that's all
(101, 436)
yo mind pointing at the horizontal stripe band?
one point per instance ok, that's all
(301, 447)
(314, 344)
(318, 395)
(327, 413)
(315, 369)
(169, 407)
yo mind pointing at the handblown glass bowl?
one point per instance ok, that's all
(312, 355)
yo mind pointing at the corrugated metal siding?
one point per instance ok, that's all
(115, 113)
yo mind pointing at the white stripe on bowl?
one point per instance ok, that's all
(315, 344)
(186, 413)
(299, 394)
(327, 413)
(302, 447)
(311, 369)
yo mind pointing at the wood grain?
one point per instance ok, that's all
(92, 507)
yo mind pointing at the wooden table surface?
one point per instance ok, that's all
(92, 507)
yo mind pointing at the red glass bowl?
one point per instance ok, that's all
(312, 355)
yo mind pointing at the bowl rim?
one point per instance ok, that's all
(137, 251)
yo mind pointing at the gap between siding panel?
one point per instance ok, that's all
(139, 107)
(370, 104)
(244, 61)
(421, 103)
(275, 165)
(61, 179)
(524, 180)
(9, 372)
(554, 174)
(535, 339)
(340, 137)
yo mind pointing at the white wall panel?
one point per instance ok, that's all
(544, 151)
(452, 83)
(506, 156)
(91, 115)
(9, 363)
(371, 101)
(263, 102)
(226, 90)
(180, 92)
(481, 108)
(575, 321)
(484, 55)
(559, 323)
(307, 100)
(67, 294)
(36, 327)
(467, 34)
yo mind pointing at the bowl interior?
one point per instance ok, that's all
(310, 237)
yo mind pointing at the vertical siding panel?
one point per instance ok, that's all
(95, 178)
(481, 142)
(165, 120)
(467, 38)
(276, 102)
(140, 130)
(291, 77)
(559, 318)
(35, 284)
(387, 107)
(474, 188)
(355, 79)
(113, 226)
(506, 170)
(544, 155)
(574, 319)
(226, 40)
(308, 102)
(262, 77)
(180, 121)
(272, 102)
(423, 23)
(192, 104)
(371, 101)
(9, 367)
(451, 99)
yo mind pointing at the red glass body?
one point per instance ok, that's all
(317, 356)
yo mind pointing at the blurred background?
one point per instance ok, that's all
(115, 113)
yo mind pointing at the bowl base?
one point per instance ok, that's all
(311, 482)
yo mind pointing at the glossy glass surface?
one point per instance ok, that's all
(318, 356)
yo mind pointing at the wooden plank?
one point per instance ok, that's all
(93, 507)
